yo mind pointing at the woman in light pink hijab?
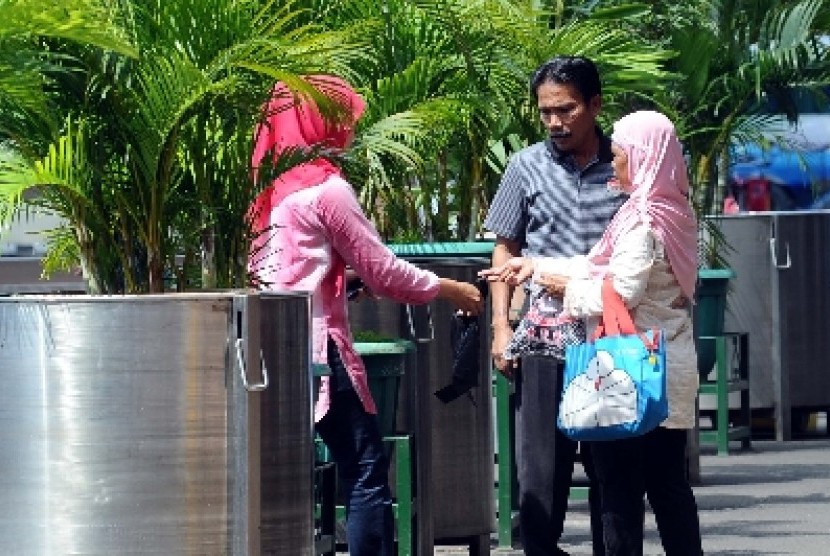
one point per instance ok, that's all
(649, 251)
(645, 142)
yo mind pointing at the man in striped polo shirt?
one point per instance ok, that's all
(553, 201)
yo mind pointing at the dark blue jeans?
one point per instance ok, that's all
(653, 465)
(354, 441)
(545, 461)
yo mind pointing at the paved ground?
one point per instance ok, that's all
(771, 500)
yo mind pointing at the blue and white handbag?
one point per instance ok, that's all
(615, 383)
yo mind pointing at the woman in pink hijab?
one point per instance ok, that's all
(650, 252)
(310, 227)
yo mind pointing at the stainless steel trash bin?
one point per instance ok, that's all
(781, 296)
(453, 442)
(143, 425)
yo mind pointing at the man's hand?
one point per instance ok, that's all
(501, 294)
(555, 284)
(513, 272)
(501, 337)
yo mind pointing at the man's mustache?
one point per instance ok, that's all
(560, 134)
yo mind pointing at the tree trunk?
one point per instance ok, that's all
(155, 271)
(722, 181)
(208, 258)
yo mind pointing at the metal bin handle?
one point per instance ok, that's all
(240, 363)
(412, 325)
(774, 253)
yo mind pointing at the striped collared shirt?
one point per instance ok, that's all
(551, 207)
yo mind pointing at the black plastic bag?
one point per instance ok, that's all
(466, 346)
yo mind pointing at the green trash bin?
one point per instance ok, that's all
(709, 312)
(385, 363)
(456, 250)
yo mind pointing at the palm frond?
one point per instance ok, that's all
(168, 85)
(96, 22)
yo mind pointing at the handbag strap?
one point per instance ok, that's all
(616, 318)
(615, 315)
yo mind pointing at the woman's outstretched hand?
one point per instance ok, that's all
(514, 271)
(464, 296)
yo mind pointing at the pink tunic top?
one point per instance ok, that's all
(314, 229)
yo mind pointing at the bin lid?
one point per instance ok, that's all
(716, 273)
(391, 347)
(320, 369)
(445, 249)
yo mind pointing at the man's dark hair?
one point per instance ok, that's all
(568, 70)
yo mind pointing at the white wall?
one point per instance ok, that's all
(24, 236)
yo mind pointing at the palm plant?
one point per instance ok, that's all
(28, 64)
(731, 57)
(151, 151)
(28, 71)
(747, 52)
(144, 149)
(452, 72)
(744, 53)
(448, 100)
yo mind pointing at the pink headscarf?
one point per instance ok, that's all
(297, 123)
(292, 123)
(659, 196)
